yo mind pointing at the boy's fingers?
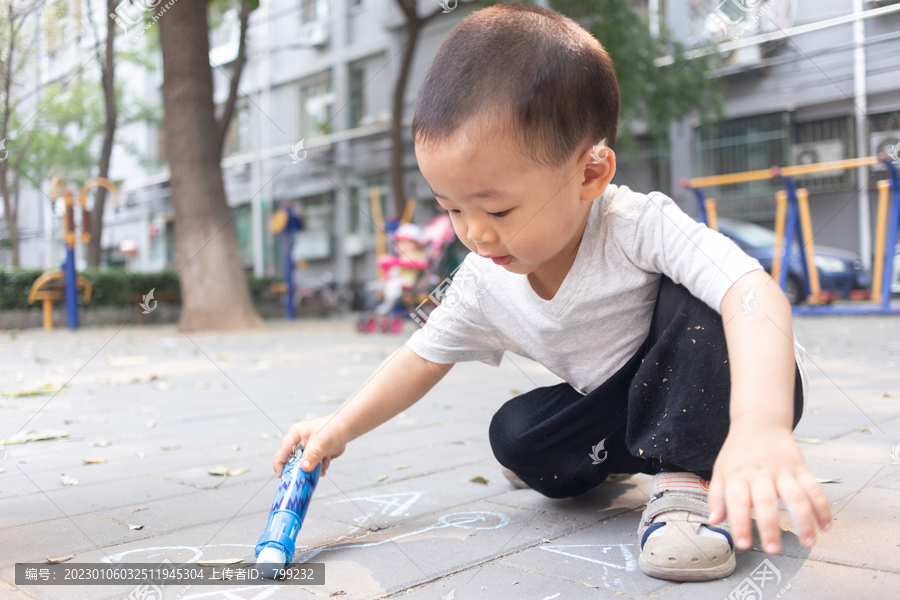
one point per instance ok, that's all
(716, 499)
(312, 455)
(765, 501)
(817, 498)
(798, 505)
(326, 462)
(290, 440)
(737, 497)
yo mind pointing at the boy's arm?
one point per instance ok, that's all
(398, 383)
(760, 461)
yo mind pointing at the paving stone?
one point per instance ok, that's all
(604, 555)
(601, 503)
(393, 502)
(869, 523)
(500, 582)
(791, 578)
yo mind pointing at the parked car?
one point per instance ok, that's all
(839, 270)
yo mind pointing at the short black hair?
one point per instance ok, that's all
(541, 75)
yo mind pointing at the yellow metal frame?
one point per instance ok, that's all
(773, 172)
(712, 217)
(880, 239)
(378, 218)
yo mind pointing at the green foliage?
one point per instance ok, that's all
(650, 93)
(110, 286)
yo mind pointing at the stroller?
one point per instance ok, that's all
(407, 279)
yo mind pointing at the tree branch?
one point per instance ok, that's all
(239, 62)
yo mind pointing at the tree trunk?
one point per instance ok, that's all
(214, 292)
(94, 249)
(10, 212)
(409, 52)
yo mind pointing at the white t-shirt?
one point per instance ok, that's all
(601, 313)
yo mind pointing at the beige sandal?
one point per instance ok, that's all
(677, 543)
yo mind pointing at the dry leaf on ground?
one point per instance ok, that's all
(68, 480)
(60, 559)
(135, 527)
(479, 479)
(35, 435)
(94, 461)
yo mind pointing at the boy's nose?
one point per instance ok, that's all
(481, 235)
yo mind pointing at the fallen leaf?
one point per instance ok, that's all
(590, 585)
(219, 561)
(140, 508)
(338, 593)
(81, 419)
(398, 467)
(170, 447)
(135, 527)
(695, 341)
(151, 424)
(100, 444)
(69, 480)
(808, 440)
(94, 461)
(61, 559)
(222, 470)
(235, 447)
(514, 392)
(35, 435)
(545, 540)
(47, 388)
(381, 478)
(140, 454)
(479, 479)
(2, 469)
(838, 480)
(866, 430)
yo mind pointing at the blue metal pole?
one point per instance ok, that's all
(893, 225)
(793, 228)
(71, 292)
(701, 201)
(288, 234)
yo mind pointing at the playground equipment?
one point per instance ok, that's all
(43, 288)
(792, 219)
(286, 223)
(50, 287)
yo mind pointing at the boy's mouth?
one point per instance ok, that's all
(502, 260)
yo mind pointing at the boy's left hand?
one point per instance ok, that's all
(756, 466)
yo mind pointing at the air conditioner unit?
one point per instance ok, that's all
(885, 141)
(819, 152)
(315, 34)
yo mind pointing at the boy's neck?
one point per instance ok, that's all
(547, 278)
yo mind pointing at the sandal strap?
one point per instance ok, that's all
(673, 502)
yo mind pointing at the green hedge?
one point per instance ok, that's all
(109, 286)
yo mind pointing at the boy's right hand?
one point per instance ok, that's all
(322, 439)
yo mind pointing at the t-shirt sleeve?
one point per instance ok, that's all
(456, 330)
(668, 241)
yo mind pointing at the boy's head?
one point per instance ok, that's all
(515, 101)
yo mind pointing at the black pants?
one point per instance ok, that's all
(666, 409)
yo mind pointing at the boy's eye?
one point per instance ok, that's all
(454, 211)
(502, 213)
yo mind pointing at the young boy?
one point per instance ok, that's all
(676, 347)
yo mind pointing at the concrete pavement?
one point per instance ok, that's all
(397, 514)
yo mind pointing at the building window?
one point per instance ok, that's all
(237, 139)
(316, 105)
(357, 95)
(746, 144)
(313, 10)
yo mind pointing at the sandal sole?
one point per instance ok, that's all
(706, 574)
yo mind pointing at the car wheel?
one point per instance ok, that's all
(792, 289)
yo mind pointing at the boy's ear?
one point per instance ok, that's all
(599, 165)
